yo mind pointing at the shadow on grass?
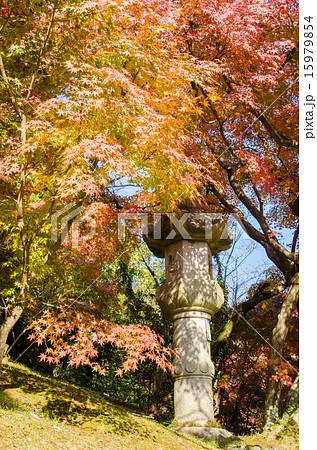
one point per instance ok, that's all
(68, 403)
(6, 402)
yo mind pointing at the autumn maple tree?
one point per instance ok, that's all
(249, 138)
(85, 103)
(240, 387)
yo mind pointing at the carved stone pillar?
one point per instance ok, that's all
(190, 297)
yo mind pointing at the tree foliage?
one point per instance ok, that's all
(176, 99)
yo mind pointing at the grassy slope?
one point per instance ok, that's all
(38, 412)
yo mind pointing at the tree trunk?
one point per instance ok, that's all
(158, 378)
(291, 404)
(13, 313)
(16, 310)
(273, 393)
(6, 327)
(292, 400)
(12, 316)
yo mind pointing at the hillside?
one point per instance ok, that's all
(38, 412)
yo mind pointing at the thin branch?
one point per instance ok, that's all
(279, 260)
(295, 237)
(6, 21)
(270, 238)
(259, 198)
(9, 88)
(286, 169)
(8, 197)
(265, 291)
(279, 138)
(40, 225)
(197, 88)
(41, 52)
(149, 268)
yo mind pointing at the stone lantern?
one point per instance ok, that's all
(189, 298)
